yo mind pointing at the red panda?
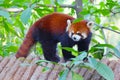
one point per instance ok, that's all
(54, 28)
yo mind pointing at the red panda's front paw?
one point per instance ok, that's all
(68, 57)
(56, 59)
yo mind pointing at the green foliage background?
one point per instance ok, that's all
(14, 24)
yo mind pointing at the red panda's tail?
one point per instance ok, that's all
(26, 45)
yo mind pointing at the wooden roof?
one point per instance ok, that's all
(26, 69)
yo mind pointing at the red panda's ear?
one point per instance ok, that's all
(90, 24)
(68, 24)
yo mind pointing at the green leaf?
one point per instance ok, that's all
(33, 6)
(25, 15)
(40, 61)
(77, 20)
(5, 14)
(79, 59)
(116, 51)
(102, 69)
(69, 49)
(6, 27)
(76, 76)
(21, 26)
(105, 12)
(97, 19)
(115, 28)
(12, 48)
(97, 52)
(84, 12)
(64, 74)
(111, 3)
(81, 56)
(102, 5)
(45, 69)
(9, 28)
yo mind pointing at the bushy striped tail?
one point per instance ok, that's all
(26, 45)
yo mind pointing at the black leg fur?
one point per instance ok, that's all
(49, 50)
(67, 55)
(67, 42)
(48, 46)
(83, 45)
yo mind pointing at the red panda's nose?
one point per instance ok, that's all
(76, 37)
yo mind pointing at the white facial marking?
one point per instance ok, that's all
(84, 35)
(78, 32)
(76, 37)
(70, 34)
(68, 24)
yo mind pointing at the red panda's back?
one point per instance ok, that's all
(55, 23)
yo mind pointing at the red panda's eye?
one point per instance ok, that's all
(78, 34)
(72, 33)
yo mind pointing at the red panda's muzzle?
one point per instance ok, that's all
(77, 37)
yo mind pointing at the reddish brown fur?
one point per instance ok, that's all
(80, 26)
(26, 45)
(55, 23)
(52, 22)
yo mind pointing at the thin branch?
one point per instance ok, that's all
(49, 5)
(102, 27)
(15, 10)
(111, 30)
(78, 7)
(38, 6)
(102, 32)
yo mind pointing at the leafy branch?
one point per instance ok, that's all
(105, 40)
(110, 30)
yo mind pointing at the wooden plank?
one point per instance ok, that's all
(27, 75)
(95, 76)
(112, 64)
(105, 61)
(88, 74)
(7, 68)
(69, 77)
(77, 70)
(13, 70)
(117, 71)
(4, 63)
(55, 72)
(83, 71)
(20, 72)
(44, 75)
(37, 72)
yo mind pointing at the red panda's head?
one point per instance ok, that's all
(79, 30)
